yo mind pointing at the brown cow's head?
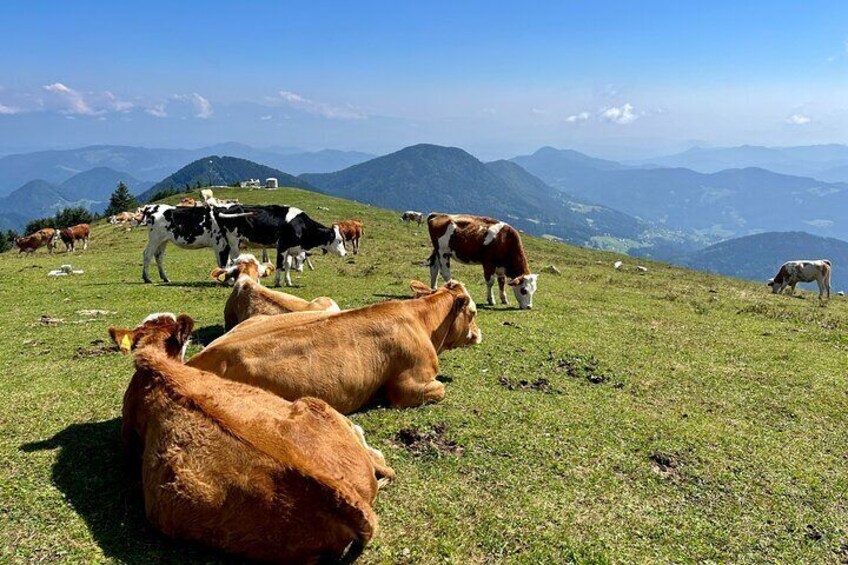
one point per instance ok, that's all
(245, 264)
(163, 330)
(524, 287)
(463, 330)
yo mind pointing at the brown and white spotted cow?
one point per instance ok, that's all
(70, 236)
(482, 241)
(351, 230)
(793, 272)
(28, 244)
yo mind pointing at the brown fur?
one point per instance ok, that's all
(350, 359)
(71, 235)
(30, 243)
(187, 202)
(237, 468)
(249, 298)
(351, 230)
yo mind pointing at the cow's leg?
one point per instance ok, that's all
(502, 287)
(444, 268)
(159, 255)
(149, 251)
(408, 392)
(489, 275)
(434, 268)
(281, 258)
(792, 289)
(85, 244)
(309, 263)
(264, 254)
(356, 246)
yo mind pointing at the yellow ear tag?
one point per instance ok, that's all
(126, 345)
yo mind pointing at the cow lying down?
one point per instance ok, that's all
(239, 469)
(249, 298)
(793, 272)
(387, 351)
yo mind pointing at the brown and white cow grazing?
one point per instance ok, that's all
(249, 298)
(352, 358)
(793, 272)
(237, 468)
(70, 236)
(351, 230)
(480, 240)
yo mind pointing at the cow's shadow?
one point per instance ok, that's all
(207, 334)
(103, 485)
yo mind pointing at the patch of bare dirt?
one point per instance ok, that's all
(97, 348)
(540, 384)
(427, 442)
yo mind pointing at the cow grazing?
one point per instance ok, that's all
(479, 240)
(30, 243)
(351, 230)
(412, 216)
(286, 228)
(249, 298)
(793, 272)
(70, 236)
(353, 358)
(189, 228)
(237, 468)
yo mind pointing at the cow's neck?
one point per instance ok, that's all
(316, 236)
(436, 313)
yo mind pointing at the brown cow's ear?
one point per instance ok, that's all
(269, 268)
(420, 289)
(185, 324)
(123, 338)
(460, 303)
(216, 274)
(516, 281)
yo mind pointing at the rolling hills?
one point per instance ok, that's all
(712, 207)
(665, 417)
(434, 178)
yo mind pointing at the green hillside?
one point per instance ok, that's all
(661, 417)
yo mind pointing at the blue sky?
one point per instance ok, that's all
(614, 78)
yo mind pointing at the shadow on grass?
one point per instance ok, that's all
(103, 485)
(192, 284)
(207, 334)
(392, 296)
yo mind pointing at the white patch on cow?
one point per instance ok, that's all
(183, 350)
(337, 246)
(493, 232)
(524, 291)
(292, 213)
(156, 316)
(444, 241)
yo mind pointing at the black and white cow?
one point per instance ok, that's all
(189, 228)
(286, 228)
(793, 272)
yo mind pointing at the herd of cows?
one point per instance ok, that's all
(245, 446)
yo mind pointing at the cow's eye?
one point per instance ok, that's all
(523, 291)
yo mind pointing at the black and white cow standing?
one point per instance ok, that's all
(793, 272)
(189, 228)
(290, 230)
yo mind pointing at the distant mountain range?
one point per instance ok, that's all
(711, 207)
(758, 257)
(38, 198)
(823, 162)
(56, 166)
(215, 170)
(435, 178)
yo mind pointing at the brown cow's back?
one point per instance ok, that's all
(243, 470)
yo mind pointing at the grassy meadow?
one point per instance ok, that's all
(660, 417)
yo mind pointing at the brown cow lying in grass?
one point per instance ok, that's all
(352, 358)
(249, 298)
(237, 468)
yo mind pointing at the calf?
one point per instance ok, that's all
(412, 216)
(351, 230)
(288, 229)
(350, 359)
(793, 272)
(188, 202)
(249, 298)
(189, 228)
(480, 240)
(237, 468)
(70, 236)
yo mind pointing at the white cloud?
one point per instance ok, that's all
(539, 111)
(204, 107)
(74, 101)
(581, 117)
(798, 120)
(619, 114)
(8, 110)
(113, 103)
(319, 108)
(157, 110)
